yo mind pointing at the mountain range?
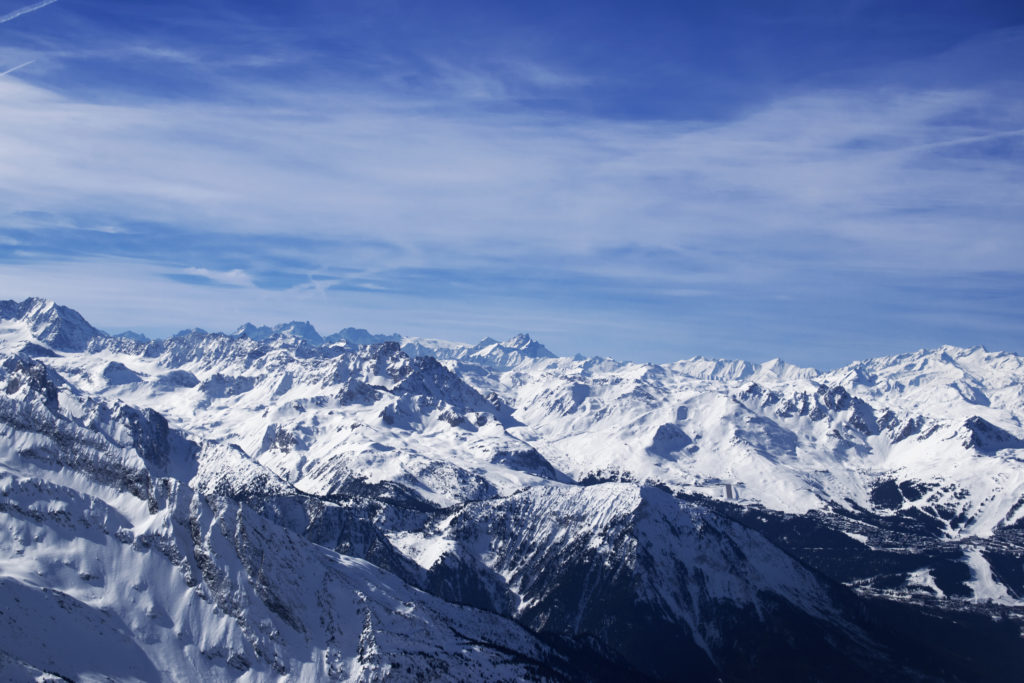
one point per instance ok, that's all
(274, 503)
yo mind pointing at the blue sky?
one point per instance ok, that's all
(815, 181)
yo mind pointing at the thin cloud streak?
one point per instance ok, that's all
(973, 140)
(25, 10)
(15, 68)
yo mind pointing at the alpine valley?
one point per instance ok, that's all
(275, 504)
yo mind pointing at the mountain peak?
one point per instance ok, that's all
(60, 327)
(253, 332)
(529, 346)
(507, 353)
(296, 328)
(134, 336)
(360, 337)
(519, 341)
(300, 330)
(190, 332)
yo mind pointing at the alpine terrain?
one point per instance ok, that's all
(274, 504)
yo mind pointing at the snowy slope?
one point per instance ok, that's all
(114, 540)
(651, 579)
(791, 440)
(946, 422)
(627, 513)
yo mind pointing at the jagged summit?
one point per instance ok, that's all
(507, 354)
(190, 332)
(361, 337)
(484, 343)
(295, 329)
(489, 351)
(63, 328)
(251, 331)
(528, 346)
(59, 327)
(134, 336)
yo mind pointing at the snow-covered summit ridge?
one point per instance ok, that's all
(59, 327)
(454, 422)
(64, 329)
(295, 329)
(488, 352)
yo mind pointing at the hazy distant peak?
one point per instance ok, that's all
(297, 329)
(361, 337)
(529, 346)
(190, 332)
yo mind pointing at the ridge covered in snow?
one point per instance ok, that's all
(526, 515)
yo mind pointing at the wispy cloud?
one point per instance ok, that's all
(454, 203)
(15, 68)
(877, 171)
(974, 139)
(25, 10)
(233, 278)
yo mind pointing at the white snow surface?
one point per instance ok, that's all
(120, 561)
(789, 438)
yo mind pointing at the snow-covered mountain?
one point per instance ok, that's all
(124, 557)
(58, 327)
(489, 353)
(283, 503)
(294, 329)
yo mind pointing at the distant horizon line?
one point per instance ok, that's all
(127, 332)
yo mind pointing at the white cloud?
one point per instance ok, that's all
(25, 10)
(235, 277)
(15, 68)
(854, 177)
(505, 212)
